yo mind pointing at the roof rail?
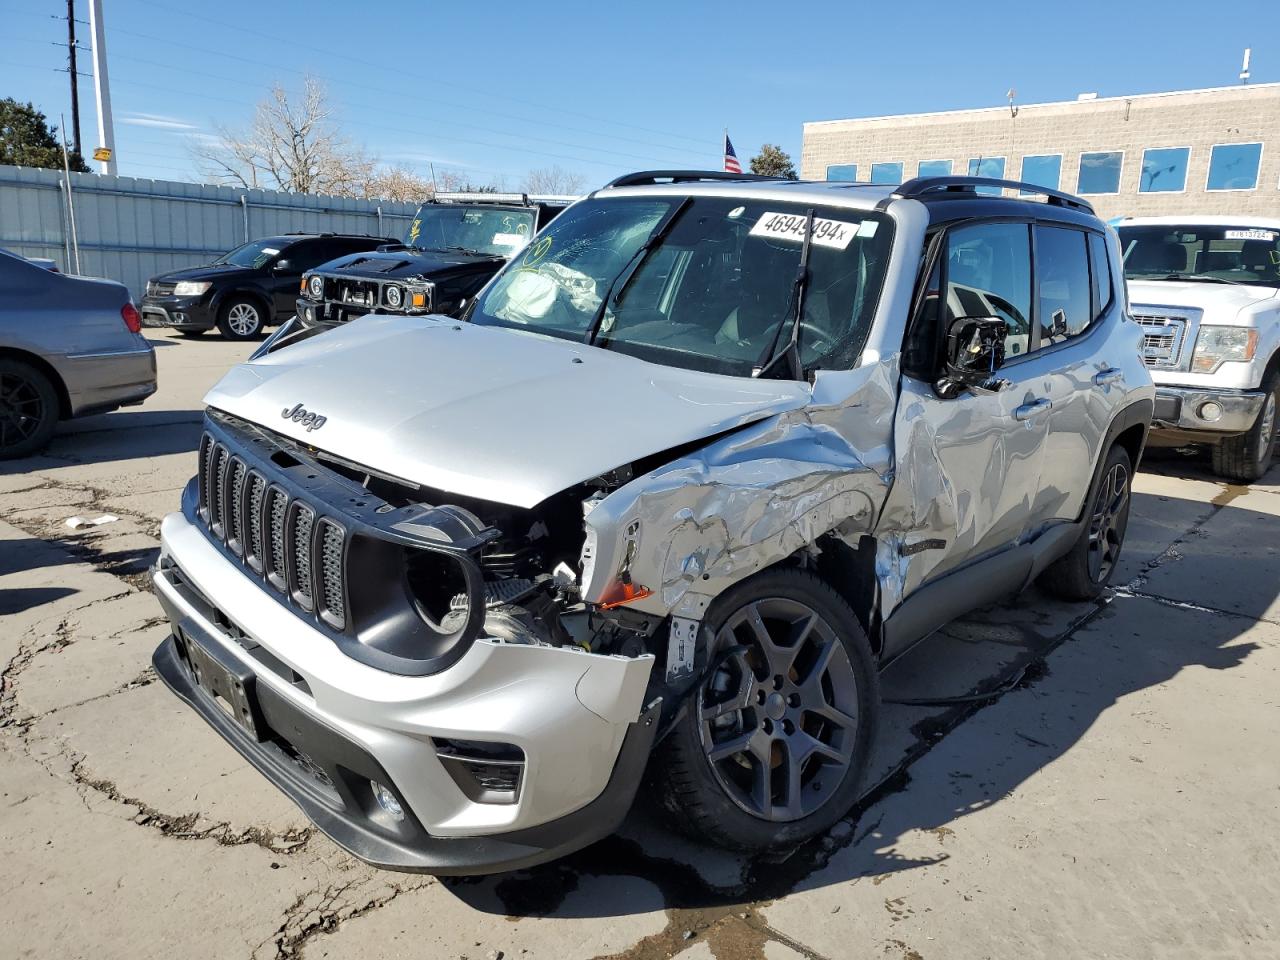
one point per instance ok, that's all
(649, 178)
(922, 186)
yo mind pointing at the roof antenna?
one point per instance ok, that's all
(1013, 109)
(1244, 67)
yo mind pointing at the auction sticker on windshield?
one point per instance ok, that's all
(1250, 235)
(790, 226)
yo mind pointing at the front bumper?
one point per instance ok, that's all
(1206, 410)
(575, 716)
(183, 313)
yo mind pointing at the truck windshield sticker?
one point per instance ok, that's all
(1268, 235)
(508, 239)
(789, 226)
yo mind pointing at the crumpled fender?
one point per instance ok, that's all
(692, 528)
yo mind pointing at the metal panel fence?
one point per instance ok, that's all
(129, 230)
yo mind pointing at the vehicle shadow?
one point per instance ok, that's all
(110, 437)
(1127, 643)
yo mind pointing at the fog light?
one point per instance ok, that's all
(387, 800)
(1211, 411)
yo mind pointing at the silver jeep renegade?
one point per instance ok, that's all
(689, 471)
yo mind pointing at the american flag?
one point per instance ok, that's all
(731, 164)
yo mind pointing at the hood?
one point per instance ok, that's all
(484, 412)
(404, 263)
(207, 272)
(1222, 301)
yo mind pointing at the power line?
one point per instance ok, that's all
(470, 89)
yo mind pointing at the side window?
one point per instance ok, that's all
(919, 351)
(1100, 267)
(306, 255)
(989, 275)
(1062, 278)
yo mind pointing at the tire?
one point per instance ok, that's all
(1088, 567)
(242, 318)
(28, 409)
(822, 702)
(1247, 457)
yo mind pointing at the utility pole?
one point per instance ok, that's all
(75, 92)
(102, 91)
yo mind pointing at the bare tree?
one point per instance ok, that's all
(290, 145)
(400, 184)
(553, 180)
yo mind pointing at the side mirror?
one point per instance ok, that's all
(282, 266)
(974, 351)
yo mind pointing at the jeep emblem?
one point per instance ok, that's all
(312, 421)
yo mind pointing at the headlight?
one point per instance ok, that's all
(315, 288)
(394, 296)
(1216, 345)
(190, 288)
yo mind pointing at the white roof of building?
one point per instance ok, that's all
(1239, 89)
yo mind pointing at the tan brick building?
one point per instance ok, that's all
(1194, 151)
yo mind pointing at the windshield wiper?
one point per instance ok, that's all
(632, 266)
(467, 250)
(1202, 276)
(791, 353)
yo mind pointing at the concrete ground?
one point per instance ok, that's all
(1118, 795)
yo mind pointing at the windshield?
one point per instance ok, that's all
(1213, 253)
(489, 231)
(254, 254)
(711, 294)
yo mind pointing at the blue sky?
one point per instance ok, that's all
(492, 90)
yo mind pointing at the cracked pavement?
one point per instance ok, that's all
(1115, 794)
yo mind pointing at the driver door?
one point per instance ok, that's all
(968, 466)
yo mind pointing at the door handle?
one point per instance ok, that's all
(1029, 410)
(1108, 376)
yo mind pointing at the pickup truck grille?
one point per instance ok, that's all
(301, 553)
(1163, 339)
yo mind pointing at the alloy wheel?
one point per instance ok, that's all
(21, 409)
(778, 717)
(1267, 429)
(1107, 525)
(242, 318)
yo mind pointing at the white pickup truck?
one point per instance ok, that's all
(1207, 291)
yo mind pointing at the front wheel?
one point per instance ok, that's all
(772, 748)
(241, 319)
(1085, 571)
(1246, 458)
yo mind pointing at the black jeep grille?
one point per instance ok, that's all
(300, 551)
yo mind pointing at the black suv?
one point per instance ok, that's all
(244, 290)
(456, 242)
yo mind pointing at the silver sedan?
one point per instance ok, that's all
(69, 347)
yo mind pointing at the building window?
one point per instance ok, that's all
(1100, 172)
(1043, 171)
(934, 168)
(1164, 170)
(1234, 166)
(843, 171)
(886, 173)
(992, 167)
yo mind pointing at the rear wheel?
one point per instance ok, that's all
(1086, 570)
(772, 748)
(1246, 458)
(241, 319)
(28, 409)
